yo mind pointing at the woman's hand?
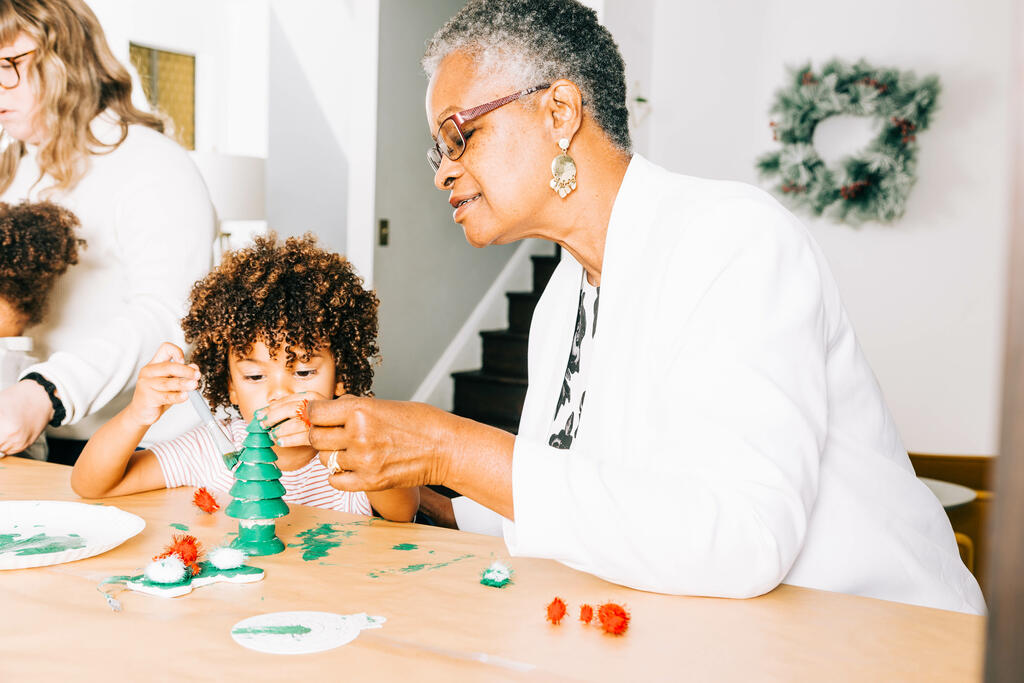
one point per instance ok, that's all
(381, 444)
(287, 419)
(163, 381)
(25, 409)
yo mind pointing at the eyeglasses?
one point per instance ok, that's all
(10, 77)
(451, 142)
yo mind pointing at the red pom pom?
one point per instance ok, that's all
(614, 618)
(187, 548)
(556, 610)
(205, 501)
(586, 614)
(302, 412)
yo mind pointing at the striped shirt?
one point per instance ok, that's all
(192, 460)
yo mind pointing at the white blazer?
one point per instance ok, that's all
(733, 435)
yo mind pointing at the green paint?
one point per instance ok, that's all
(413, 568)
(117, 578)
(405, 546)
(178, 525)
(295, 630)
(205, 570)
(320, 540)
(40, 544)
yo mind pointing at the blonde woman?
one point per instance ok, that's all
(71, 135)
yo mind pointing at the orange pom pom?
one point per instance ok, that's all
(614, 618)
(586, 613)
(556, 610)
(302, 412)
(205, 501)
(187, 548)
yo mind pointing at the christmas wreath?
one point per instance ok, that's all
(873, 184)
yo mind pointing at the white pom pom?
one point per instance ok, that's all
(497, 574)
(226, 558)
(168, 570)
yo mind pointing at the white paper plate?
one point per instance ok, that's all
(36, 533)
(299, 633)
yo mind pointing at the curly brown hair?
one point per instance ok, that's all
(37, 245)
(293, 296)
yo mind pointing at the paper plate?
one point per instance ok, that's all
(298, 633)
(36, 533)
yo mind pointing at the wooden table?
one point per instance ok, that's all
(442, 624)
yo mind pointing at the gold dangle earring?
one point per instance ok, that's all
(563, 171)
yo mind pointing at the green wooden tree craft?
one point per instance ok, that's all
(257, 495)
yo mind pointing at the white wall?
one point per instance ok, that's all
(428, 278)
(229, 41)
(323, 123)
(926, 295)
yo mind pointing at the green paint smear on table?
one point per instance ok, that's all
(178, 525)
(295, 630)
(405, 546)
(40, 544)
(117, 578)
(413, 568)
(320, 540)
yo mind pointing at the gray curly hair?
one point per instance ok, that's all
(539, 41)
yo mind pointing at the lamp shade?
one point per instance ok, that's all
(237, 184)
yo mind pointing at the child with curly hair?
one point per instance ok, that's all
(37, 245)
(275, 324)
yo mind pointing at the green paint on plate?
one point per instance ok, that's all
(405, 546)
(293, 630)
(39, 544)
(178, 525)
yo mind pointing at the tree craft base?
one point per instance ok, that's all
(207, 574)
(271, 546)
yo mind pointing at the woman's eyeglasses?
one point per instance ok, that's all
(450, 141)
(10, 76)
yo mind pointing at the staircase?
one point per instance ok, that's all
(494, 394)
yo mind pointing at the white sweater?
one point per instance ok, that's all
(149, 224)
(14, 358)
(734, 436)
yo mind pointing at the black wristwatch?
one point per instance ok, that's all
(58, 406)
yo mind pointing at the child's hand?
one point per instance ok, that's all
(164, 381)
(287, 418)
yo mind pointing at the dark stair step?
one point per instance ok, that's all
(520, 310)
(543, 267)
(505, 352)
(492, 399)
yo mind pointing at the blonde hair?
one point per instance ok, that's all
(77, 77)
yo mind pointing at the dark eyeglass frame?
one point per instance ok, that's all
(434, 153)
(13, 61)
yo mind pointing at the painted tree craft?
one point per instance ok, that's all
(257, 495)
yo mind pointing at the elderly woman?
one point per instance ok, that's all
(700, 418)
